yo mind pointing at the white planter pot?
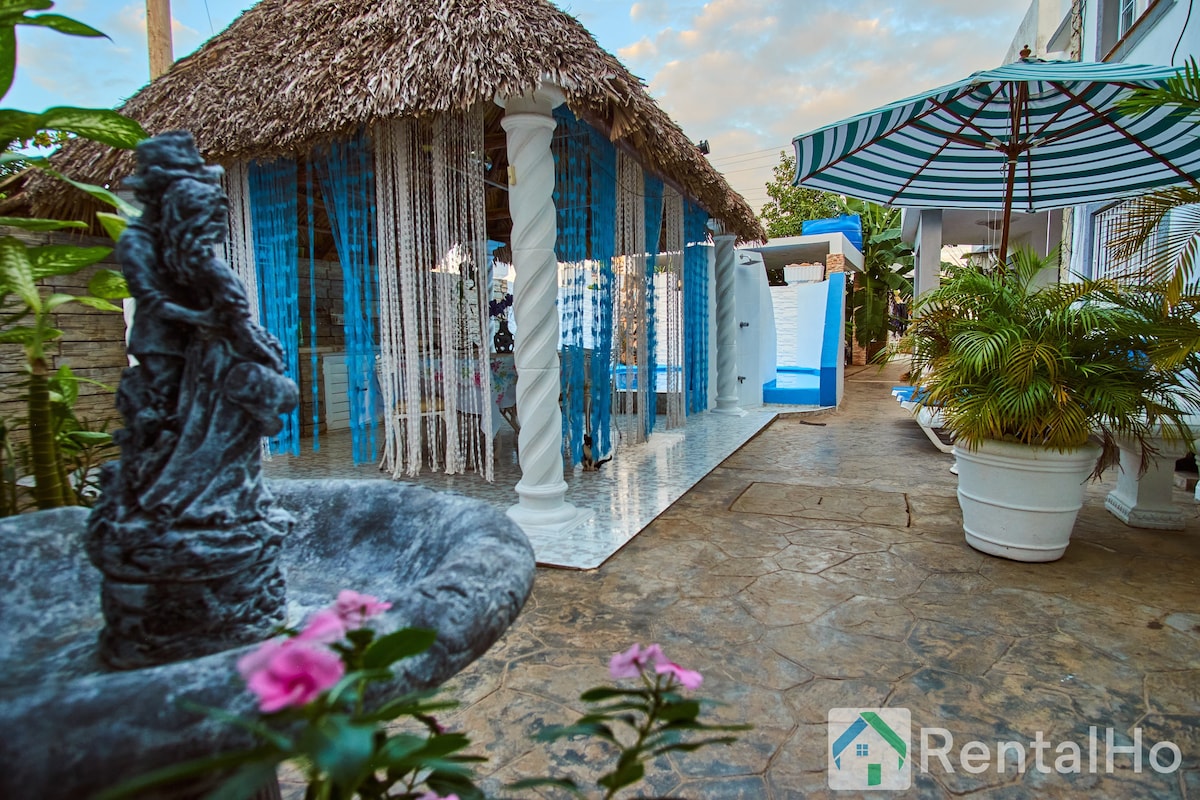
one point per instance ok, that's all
(1020, 502)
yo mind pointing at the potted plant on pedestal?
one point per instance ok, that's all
(1038, 380)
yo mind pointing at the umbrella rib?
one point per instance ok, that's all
(918, 171)
(1069, 131)
(1130, 137)
(956, 137)
(967, 122)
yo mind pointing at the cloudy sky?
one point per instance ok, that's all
(747, 75)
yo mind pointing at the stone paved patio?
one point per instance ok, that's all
(823, 565)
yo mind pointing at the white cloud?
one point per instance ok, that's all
(640, 51)
(752, 74)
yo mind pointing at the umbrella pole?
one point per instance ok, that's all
(1013, 152)
(1010, 183)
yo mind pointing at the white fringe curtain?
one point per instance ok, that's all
(629, 336)
(669, 310)
(239, 246)
(433, 285)
(238, 250)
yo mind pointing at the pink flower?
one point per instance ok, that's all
(287, 673)
(436, 796)
(631, 663)
(258, 659)
(355, 609)
(689, 679)
(325, 627)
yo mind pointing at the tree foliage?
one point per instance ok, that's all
(790, 205)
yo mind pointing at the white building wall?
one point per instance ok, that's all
(1163, 32)
(1043, 20)
(1154, 39)
(756, 329)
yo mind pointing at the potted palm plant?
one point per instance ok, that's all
(1038, 381)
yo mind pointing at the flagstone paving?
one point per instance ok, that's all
(788, 612)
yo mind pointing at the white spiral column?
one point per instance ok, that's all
(529, 127)
(727, 329)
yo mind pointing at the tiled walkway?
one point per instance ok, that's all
(627, 493)
(822, 565)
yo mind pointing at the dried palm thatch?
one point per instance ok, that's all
(290, 74)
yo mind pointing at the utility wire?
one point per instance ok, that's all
(769, 158)
(733, 156)
(744, 169)
(1186, 20)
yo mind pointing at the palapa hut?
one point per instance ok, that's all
(380, 155)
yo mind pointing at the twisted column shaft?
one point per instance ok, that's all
(529, 126)
(727, 331)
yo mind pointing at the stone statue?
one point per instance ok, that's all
(186, 534)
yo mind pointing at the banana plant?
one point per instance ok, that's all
(887, 265)
(26, 308)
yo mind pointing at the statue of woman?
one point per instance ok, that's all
(186, 530)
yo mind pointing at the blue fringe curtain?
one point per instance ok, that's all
(345, 170)
(695, 307)
(310, 207)
(648, 371)
(273, 215)
(570, 149)
(602, 171)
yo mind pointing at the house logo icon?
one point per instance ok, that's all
(869, 749)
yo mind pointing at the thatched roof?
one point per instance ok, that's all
(289, 74)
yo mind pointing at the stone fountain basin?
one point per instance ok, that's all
(69, 727)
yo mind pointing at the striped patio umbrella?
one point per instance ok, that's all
(1033, 135)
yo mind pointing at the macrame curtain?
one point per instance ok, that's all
(648, 344)
(239, 246)
(345, 172)
(629, 268)
(275, 232)
(668, 293)
(569, 147)
(435, 371)
(695, 306)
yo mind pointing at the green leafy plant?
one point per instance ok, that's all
(27, 309)
(314, 689)
(1010, 357)
(31, 325)
(655, 717)
(887, 268)
(1170, 217)
(81, 449)
(789, 206)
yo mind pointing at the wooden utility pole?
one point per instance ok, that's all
(158, 36)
